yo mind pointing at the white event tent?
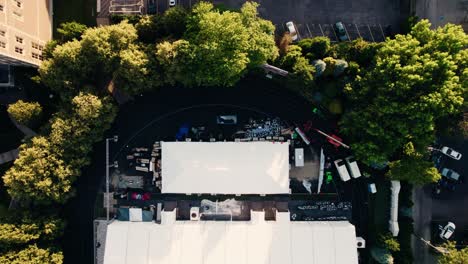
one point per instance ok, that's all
(231, 242)
(225, 167)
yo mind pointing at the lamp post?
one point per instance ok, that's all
(115, 139)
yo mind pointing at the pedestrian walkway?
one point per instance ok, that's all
(9, 156)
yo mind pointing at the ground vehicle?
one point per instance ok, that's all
(353, 167)
(447, 231)
(292, 30)
(342, 171)
(226, 120)
(341, 31)
(451, 153)
(172, 3)
(450, 174)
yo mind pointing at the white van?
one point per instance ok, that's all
(353, 167)
(342, 171)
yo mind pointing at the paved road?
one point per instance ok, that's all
(440, 12)
(448, 206)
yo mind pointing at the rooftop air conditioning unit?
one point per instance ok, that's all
(360, 242)
(195, 214)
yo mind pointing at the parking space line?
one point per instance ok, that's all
(370, 31)
(334, 33)
(359, 33)
(346, 32)
(308, 29)
(383, 34)
(297, 32)
(321, 30)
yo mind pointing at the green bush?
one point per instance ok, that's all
(340, 67)
(26, 113)
(315, 48)
(330, 69)
(70, 30)
(335, 107)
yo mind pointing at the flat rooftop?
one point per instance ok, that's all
(225, 167)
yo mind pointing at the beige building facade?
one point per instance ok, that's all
(25, 28)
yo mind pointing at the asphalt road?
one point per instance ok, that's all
(430, 210)
(441, 12)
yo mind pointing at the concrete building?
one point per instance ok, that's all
(25, 28)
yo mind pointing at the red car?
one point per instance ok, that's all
(140, 196)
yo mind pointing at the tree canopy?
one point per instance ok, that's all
(26, 113)
(453, 256)
(69, 31)
(32, 254)
(218, 48)
(417, 79)
(48, 165)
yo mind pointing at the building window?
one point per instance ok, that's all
(18, 3)
(19, 39)
(17, 15)
(2, 33)
(19, 50)
(37, 56)
(2, 44)
(37, 46)
(1, 8)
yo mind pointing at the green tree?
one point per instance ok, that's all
(218, 48)
(150, 28)
(32, 254)
(16, 234)
(453, 255)
(413, 167)
(389, 242)
(415, 82)
(69, 31)
(39, 173)
(26, 113)
(174, 21)
(315, 48)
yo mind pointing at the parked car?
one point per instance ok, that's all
(353, 167)
(451, 153)
(226, 120)
(450, 174)
(342, 171)
(447, 184)
(172, 3)
(341, 31)
(292, 30)
(447, 231)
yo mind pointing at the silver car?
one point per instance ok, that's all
(451, 153)
(450, 174)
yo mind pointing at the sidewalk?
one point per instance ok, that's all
(422, 215)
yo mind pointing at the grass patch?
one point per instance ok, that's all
(81, 11)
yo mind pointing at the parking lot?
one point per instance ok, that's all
(367, 19)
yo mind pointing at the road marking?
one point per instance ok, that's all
(297, 31)
(346, 32)
(334, 33)
(308, 29)
(383, 34)
(370, 31)
(359, 33)
(323, 35)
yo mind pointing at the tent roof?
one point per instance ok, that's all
(256, 242)
(225, 167)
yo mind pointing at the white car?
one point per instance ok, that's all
(451, 153)
(450, 174)
(292, 30)
(342, 171)
(353, 167)
(172, 3)
(447, 231)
